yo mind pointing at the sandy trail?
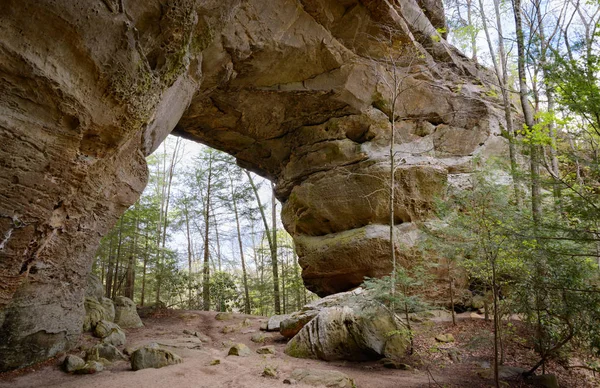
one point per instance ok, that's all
(234, 372)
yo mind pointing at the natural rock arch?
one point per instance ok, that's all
(287, 87)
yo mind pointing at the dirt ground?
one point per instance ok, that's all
(433, 368)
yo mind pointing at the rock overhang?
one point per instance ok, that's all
(290, 88)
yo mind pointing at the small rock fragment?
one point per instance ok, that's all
(215, 362)
(229, 329)
(260, 338)
(239, 350)
(223, 316)
(202, 337)
(445, 338)
(90, 368)
(269, 349)
(72, 363)
(290, 381)
(270, 371)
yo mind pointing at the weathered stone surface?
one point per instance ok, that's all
(94, 313)
(104, 351)
(184, 343)
(126, 315)
(269, 349)
(239, 350)
(289, 87)
(72, 363)
(94, 288)
(291, 326)
(223, 316)
(444, 338)
(153, 356)
(349, 326)
(109, 308)
(110, 333)
(270, 371)
(322, 378)
(260, 338)
(274, 322)
(89, 368)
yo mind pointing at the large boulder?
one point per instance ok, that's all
(126, 315)
(104, 351)
(109, 309)
(110, 333)
(94, 288)
(350, 326)
(97, 307)
(72, 363)
(95, 312)
(152, 356)
(274, 322)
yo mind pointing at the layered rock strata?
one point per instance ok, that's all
(294, 89)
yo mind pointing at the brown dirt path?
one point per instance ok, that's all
(233, 372)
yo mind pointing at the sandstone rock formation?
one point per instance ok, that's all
(110, 333)
(291, 88)
(349, 326)
(126, 315)
(97, 307)
(152, 356)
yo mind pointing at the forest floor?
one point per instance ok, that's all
(433, 367)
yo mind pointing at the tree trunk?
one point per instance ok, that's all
(218, 241)
(118, 259)
(272, 243)
(239, 237)
(496, 328)
(146, 252)
(473, 33)
(109, 270)
(130, 279)
(451, 281)
(190, 255)
(536, 202)
(206, 270)
(274, 253)
(556, 188)
(501, 70)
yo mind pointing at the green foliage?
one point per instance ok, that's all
(409, 283)
(536, 270)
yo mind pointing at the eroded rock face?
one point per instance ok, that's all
(346, 326)
(291, 88)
